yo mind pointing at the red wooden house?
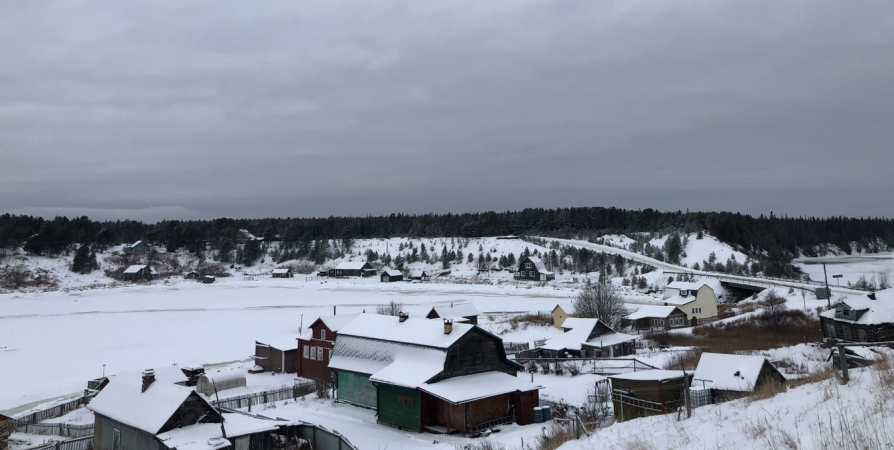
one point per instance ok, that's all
(315, 346)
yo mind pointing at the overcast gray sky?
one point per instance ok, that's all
(201, 109)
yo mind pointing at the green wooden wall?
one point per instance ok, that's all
(356, 388)
(392, 411)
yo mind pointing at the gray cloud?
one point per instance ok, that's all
(120, 109)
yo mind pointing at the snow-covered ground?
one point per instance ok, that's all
(850, 267)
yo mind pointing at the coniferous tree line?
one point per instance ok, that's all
(771, 238)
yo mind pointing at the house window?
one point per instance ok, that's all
(477, 357)
(313, 353)
(116, 439)
(531, 274)
(830, 330)
(320, 354)
(845, 312)
(862, 335)
(405, 400)
(847, 333)
(696, 310)
(659, 322)
(527, 265)
(305, 351)
(323, 334)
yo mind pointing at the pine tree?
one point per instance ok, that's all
(445, 258)
(82, 263)
(471, 258)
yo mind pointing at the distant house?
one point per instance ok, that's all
(652, 317)
(208, 279)
(458, 312)
(245, 236)
(278, 354)
(192, 276)
(136, 247)
(160, 415)
(352, 269)
(647, 393)
(423, 374)
(533, 269)
(315, 346)
(391, 275)
(733, 376)
(282, 273)
(138, 272)
(419, 275)
(861, 319)
(696, 299)
(587, 338)
(561, 312)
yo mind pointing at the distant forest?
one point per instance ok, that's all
(762, 237)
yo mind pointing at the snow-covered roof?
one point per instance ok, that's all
(878, 311)
(207, 436)
(392, 272)
(578, 332)
(412, 364)
(468, 388)
(687, 285)
(281, 270)
(284, 342)
(135, 268)
(418, 273)
(650, 375)
(136, 243)
(567, 307)
(122, 401)
(350, 265)
(541, 268)
(608, 339)
(728, 372)
(411, 367)
(429, 333)
(456, 310)
(336, 323)
(651, 311)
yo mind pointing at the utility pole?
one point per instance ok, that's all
(828, 292)
(842, 363)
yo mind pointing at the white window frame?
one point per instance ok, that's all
(323, 334)
(527, 265)
(531, 274)
(830, 329)
(319, 353)
(696, 310)
(116, 439)
(306, 352)
(313, 353)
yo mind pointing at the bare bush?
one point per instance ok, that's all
(304, 268)
(16, 276)
(214, 269)
(391, 308)
(324, 387)
(773, 316)
(486, 444)
(600, 301)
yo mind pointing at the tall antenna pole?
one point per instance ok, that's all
(223, 431)
(828, 292)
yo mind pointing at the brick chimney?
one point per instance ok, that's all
(448, 326)
(148, 378)
(402, 316)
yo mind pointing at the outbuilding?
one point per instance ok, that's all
(733, 376)
(391, 275)
(458, 312)
(281, 272)
(277, 354)
(647, 393)
(138, 272)
(220, 379)
(419, 275)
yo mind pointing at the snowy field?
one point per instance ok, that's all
(850, 267)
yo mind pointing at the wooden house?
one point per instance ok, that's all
(867, 318)
(585, 338)
(733, 376)
(138, 272)
(562, 312)
(315, 346)
(208, 279)
(192, 276)
(697, 299)
(391, 275)
(434, 375)
(653, 317)
(419, 275)
(458, 312)
(281, 272)
(352, 269)
(158, 415)
(647, 393)
(278, 354)
(136, 247)
(533, 269)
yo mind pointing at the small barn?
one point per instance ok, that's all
(136, 247)
(654, 317)
(465, 312)
(391, 275)
(208, 279)
(562, 312)
(138, 272)
(733, 376)
(221, 379)
(532, 268)
(647, 393)
(282, 272)
(419, 275)
(585, 338)
(352, 269)
(192, 276)
(277, 354)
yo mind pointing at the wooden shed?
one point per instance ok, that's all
(733, 376)
(278, 355)
(281, 272)
(419, 275)
(391, 275)
(138, 272)
(458, 312)
(647, 393)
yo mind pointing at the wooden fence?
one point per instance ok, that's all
(84, 443)
(52, 429)
(56, 411)
(514, 347)
(260, 398)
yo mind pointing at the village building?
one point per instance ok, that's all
(136, 247)
(391, 275)
(352, 269)
(208, 279)
(315, 346)
(697, 299)
(647, 392)
(729, 377)
(586, 338)
(192, 276)
(868, 318)
(281, 272)
(278, 355)
(532, 268)
(160, 415)
(561, 312)
(654, 317)
(220, 380)
(421, 374)
(458, 312)
(419, 275)
(138, 272)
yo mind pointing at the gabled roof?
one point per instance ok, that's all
(728, 372)
(578, 332)
(284, 342)
(135, 268)
(469, 388)
(567, 307)
(392, 272)
(878, 311)
(456, 310)
(350, 265)
(421, 332)
(282, 270)
(652, 311)
(148, 411)
(336, 323)
(650, 375)
(418, 273)
(687, 285)
(136, 243)
(538, 264)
